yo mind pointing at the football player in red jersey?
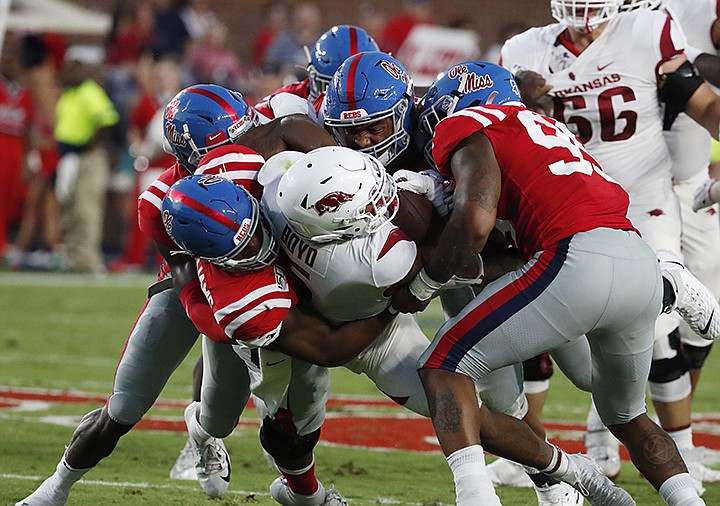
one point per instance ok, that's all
(163, 334)
(570, 224)
(16, 114)
(253, 304)
(329, 52)
(334, 239)
(618, 103)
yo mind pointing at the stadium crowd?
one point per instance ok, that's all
(153, 50)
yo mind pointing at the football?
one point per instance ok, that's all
(414, 215)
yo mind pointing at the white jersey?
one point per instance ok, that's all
(607, 95)
(689, 142)
(348, 279)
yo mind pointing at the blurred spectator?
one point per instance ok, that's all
(84, 114)
(145, 139)
(171, 32)
(40, 211)
(415, 12)
(211, 61)
(16, 112)
(199, 19)
(286, 55)
(275, 22)
(133, 31)
(132, 35)
(492, 53)
(373, 21)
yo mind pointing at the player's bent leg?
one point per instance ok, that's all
(601, 445)
(94, 439)
(159, 341)
(459, 436)
(212, 461)
(225, 391)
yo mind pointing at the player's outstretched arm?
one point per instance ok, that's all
(308, 336)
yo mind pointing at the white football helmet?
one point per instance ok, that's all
(335, 193)
(584, 15)
(631, 5)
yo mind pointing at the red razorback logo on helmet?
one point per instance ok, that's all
(332, 202)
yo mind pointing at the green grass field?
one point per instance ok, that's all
(64, 333)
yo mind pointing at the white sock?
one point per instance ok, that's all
(472, 483)
(559, 464)
(683, 438)
(678, 490)
(65, 476)
(194, 428)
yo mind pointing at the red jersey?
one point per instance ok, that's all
(238, 163)
(249, 306)
(551, 187)
(16, 111)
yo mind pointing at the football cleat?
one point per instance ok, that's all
(280, 491)
(693, 301)
(586, 476)
(507, 473)
(604, 449)
(212, 462)
(45, 495)
(184, 468)
(559, 494)
(696, 468)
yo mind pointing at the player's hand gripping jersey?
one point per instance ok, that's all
(563, 174)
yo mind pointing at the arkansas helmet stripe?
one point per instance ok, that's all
(353, 40)
(350, 88)
(203, 209)
(218, 99)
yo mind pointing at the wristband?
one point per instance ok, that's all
(423, 286)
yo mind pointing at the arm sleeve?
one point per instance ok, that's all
(200, 313)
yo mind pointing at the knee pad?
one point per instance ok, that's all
(666, 370)
(696, 355)
(519, 408)
(671, 391)
(126, 409)
(283, 442)
(538, 368)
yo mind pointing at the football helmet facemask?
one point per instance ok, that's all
(214, 219)
(369, 87)
(584, 15)
(203, 117)
(331, 50)
(631, 5)
(335, 193)
(463, 85)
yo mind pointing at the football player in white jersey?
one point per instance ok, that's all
(608, 96)
(252, 304)
(690, 148)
